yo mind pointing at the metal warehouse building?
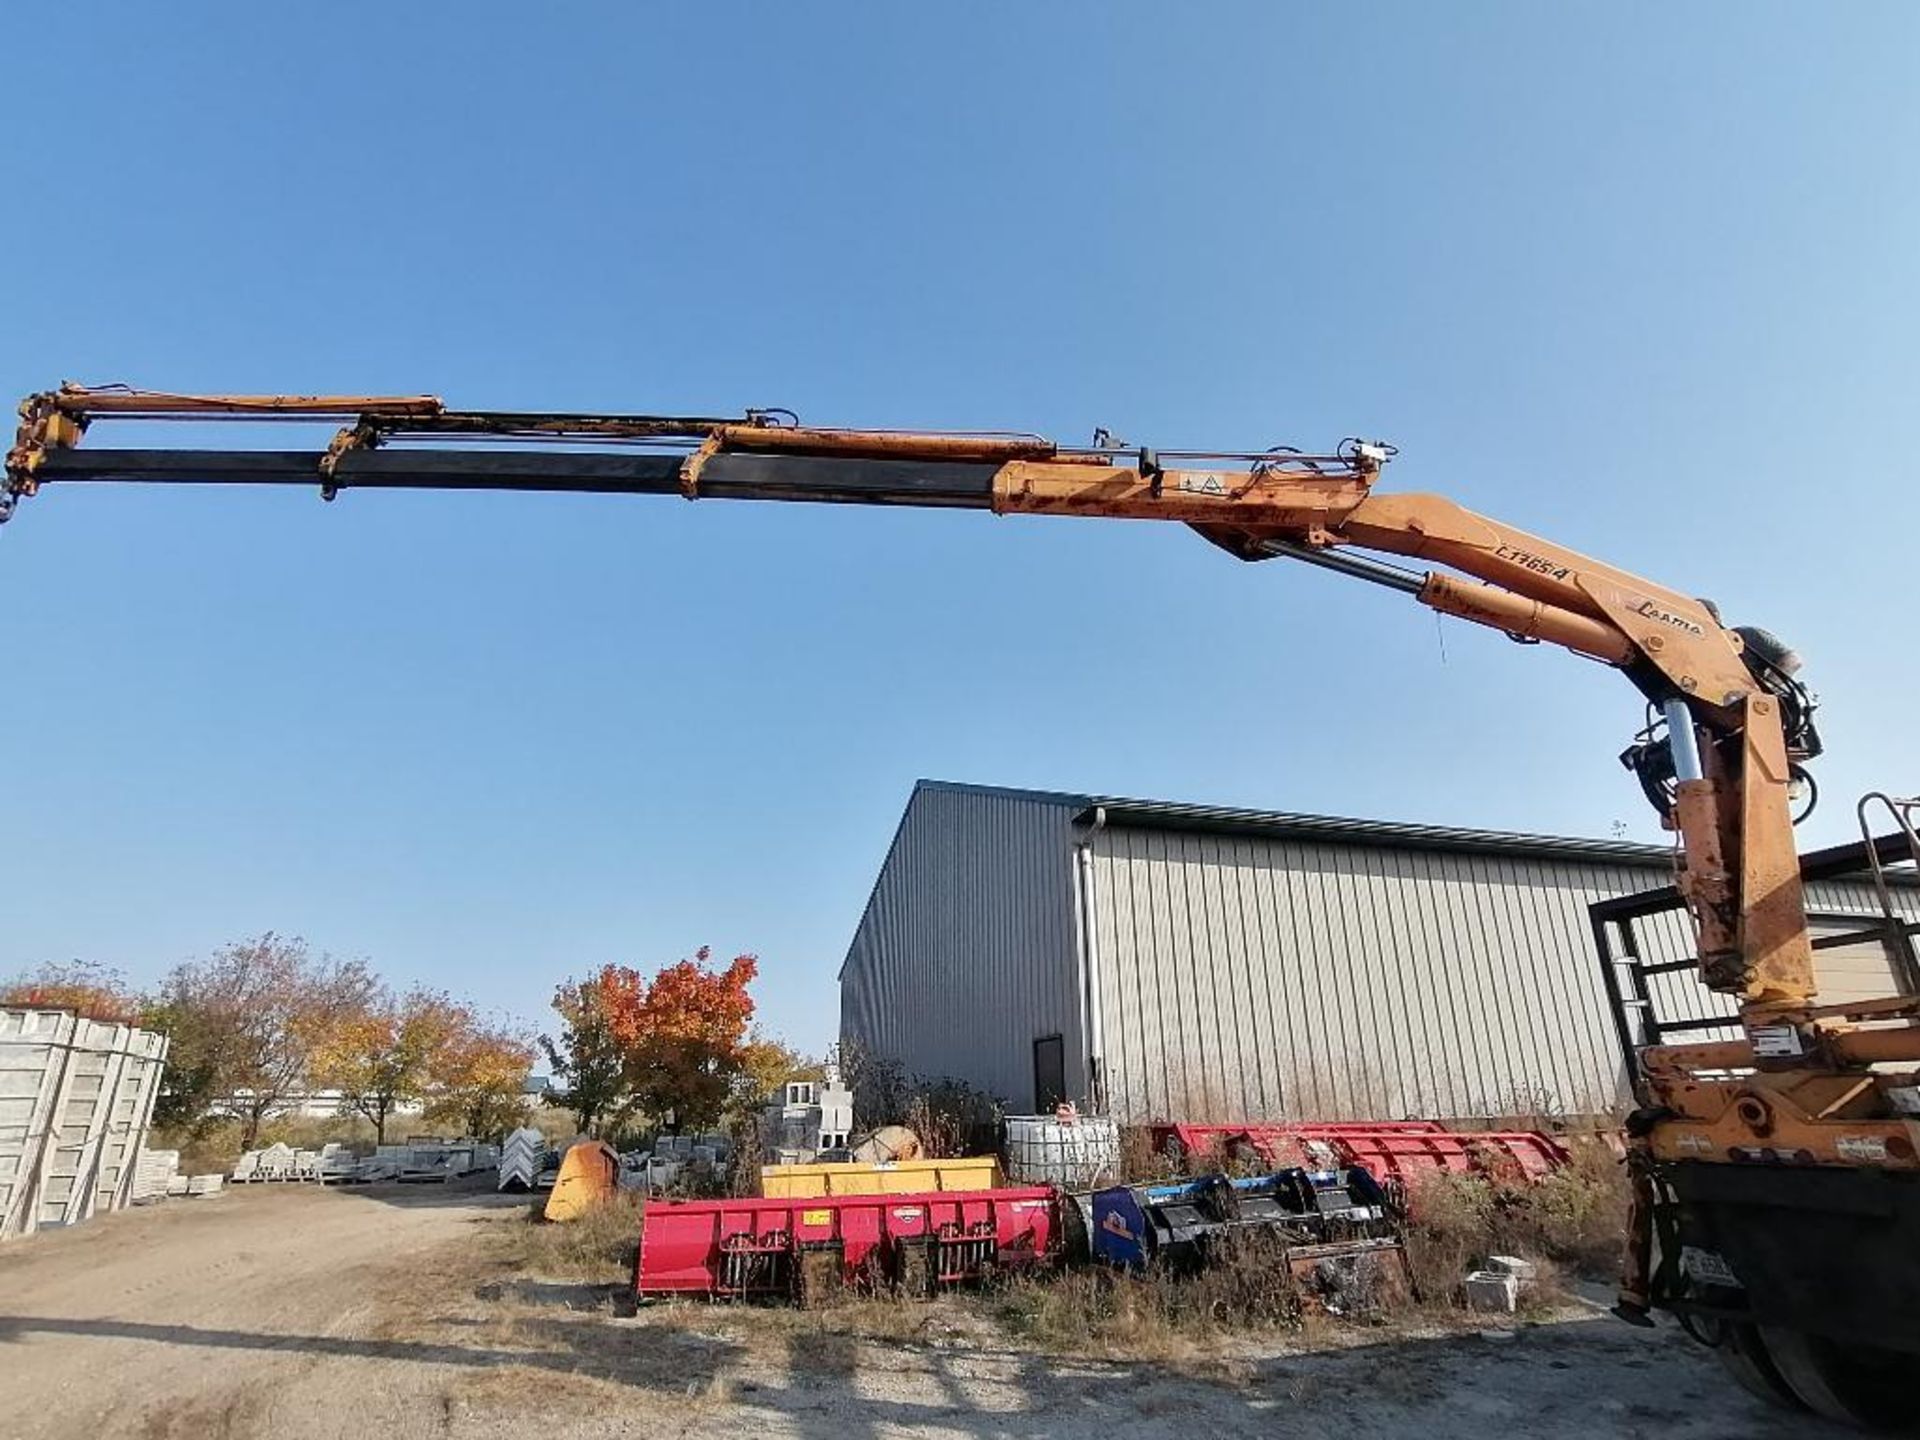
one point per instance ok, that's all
(1166, 961)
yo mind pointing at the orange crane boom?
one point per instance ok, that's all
(1721, 760)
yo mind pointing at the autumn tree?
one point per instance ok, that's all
(766, 1064)
(681, 1034)
(475, 1077)
(381, 1054)
(585, 1056)
(94, 991)
(243, 1026)
(672, 1046)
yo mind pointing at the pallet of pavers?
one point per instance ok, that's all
(337, 1165)
(431, 1160)
(152, 1172)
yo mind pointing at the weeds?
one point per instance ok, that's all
(1245, 1288)
(216, 1145)
(1570, 1223)
(599, 1248)
(1573, 1220)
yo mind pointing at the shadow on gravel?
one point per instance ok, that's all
(819, 1400)
(822, 1385)
(694, 1360)
(465, 1191)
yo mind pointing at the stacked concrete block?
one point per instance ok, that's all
(336, 1165)
(152, 1172)
(1497, 1289)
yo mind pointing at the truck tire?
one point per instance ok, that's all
(1863, 1386)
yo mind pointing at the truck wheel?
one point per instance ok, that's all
(1743, 1355)
(1859, 1385)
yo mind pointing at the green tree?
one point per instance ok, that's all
(190, 1081)
(766, 1064)
(586, 1058)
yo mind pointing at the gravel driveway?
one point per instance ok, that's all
(296, 1312)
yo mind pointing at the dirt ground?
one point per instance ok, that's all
(297, 1312)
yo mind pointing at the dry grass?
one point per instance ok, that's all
(1245, 1292)
(597, 1249)
(215, 1146)
(1572, 1222)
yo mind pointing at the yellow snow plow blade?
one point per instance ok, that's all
(589, 1174)
(888, 1177)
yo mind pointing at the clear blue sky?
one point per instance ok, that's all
(1643, 281)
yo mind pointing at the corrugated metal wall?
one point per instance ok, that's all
(1256, 978)
(1242, 976)
(966, 953)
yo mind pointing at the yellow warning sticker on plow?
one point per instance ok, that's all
(816, 1217)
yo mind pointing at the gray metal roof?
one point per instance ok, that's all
(1334, 829)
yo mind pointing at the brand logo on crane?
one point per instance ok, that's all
(1667, 617)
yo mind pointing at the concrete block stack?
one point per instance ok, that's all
(1497, 1289)
(152, 1172)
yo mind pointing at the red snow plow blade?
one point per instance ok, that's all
(792, 1248)
(1397, 1151)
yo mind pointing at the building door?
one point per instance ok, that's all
(1049, 1073)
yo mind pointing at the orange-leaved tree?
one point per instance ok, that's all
(476, 1079)
(381, 1054)
(680, 1035)
(92, 990)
